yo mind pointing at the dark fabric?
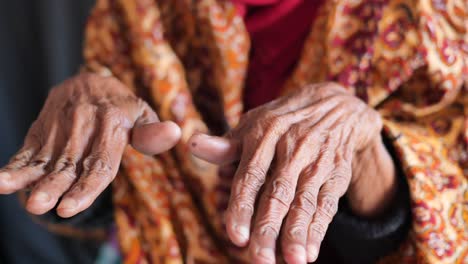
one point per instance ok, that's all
(98, 216)
(358, 240)
(40, 45)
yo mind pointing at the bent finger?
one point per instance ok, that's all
(48, 190)
(30, 167)
(327, 207)
(155, 138)
(100, 167)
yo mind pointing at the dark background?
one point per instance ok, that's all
(40, 46)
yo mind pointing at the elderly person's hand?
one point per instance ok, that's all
(298, 155)
(73, 150)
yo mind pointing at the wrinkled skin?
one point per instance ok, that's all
(297, 156)
(74, 148)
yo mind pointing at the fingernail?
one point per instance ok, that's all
(68, 204)
(243, 232)
(41, 197)
(299, 252)
(312, 253)
(267, 254)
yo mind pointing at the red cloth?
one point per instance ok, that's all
(277, 30)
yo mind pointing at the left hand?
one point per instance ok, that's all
(300, 150)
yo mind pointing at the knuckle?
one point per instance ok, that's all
(98, 162)
(86, 110)
(64, 164)
(115, 117)
(275, 126)
(296, 231)
(69, 175)
(307, 201)
(267, 229)
(241, 207)
(80, 188)
(244, 193)
(329, 206)
(282, 191)
(254, 133)
(318, 137)
(40, 162)
(288, 144)
(296, 129)
(20, 159)
(254, 176)
(340, 182)
(87, 163)
(319, 229)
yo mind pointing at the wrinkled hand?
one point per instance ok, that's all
(296, 158)
(73, 150)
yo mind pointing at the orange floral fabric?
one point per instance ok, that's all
(407, 58)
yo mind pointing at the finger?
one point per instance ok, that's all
(327, 207)
(248, 180)
(258, 150)
(155, 138)
(273, 207)
(30, 148)
(19, 161)
(303, 143)
(100, 167)
(294, 238)
(17, 179)
(216, 150)
(257, 155)
(48, 190)
(296, 149)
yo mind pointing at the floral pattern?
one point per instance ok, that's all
(407, 58)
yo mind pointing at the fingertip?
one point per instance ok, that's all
(39, 203)
(173, 129)
(155, 138)
(6, 184)
(295, 254)
(68, 207)
(239, 234)
(312, 253)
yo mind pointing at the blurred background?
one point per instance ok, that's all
(40, 46)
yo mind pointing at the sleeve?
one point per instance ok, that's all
(359, 240)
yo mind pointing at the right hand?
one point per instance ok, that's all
(73, 150)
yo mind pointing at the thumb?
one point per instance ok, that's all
(217, 150)
(155, 138)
